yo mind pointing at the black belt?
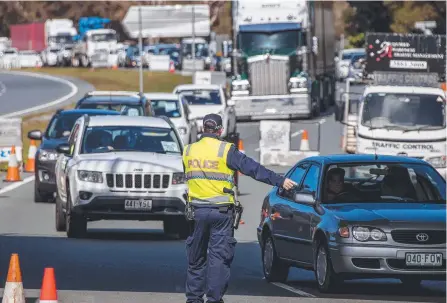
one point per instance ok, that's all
(222, 208)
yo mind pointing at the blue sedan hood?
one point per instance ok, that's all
(391, 212)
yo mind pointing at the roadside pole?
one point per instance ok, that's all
(140, 42)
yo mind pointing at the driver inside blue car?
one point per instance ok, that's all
(336, 189)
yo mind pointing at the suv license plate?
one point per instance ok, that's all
(138, 204)
(423, 259)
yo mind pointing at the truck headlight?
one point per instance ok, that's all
(240, 85)
(297, 82)
(178, 178)
(182, 130)
(90, 176)
(437, 162)
(364, 234)
(47, 155)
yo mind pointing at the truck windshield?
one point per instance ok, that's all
(404, 111)
(255, 41)
(61, 39)
(168, 108)
(201, 97)
(350, 55)
(103, 37)
(201, 49)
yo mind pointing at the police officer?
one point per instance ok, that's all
(210, 165)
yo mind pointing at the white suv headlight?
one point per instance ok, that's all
(90, 176)
(46, 155)
(364, 234)
(437, 162)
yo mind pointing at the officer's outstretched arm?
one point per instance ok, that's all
(249, 167)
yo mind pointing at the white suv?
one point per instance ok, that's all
(206, 99)
(175, 108)
(121, 168)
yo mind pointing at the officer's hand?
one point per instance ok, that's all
(288, 184)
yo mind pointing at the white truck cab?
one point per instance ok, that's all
(398, 120)
(96, 42)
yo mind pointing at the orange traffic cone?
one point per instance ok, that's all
(48, 292)
(304, 141)
(240, 147)
(13, 291)
(13, 173)
(171, 67)
(30, 164)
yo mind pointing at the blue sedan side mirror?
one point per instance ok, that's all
(306, 198)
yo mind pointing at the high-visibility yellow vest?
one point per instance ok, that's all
(207, 173)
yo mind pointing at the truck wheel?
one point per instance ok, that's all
(75, 61)
(316, 109)
(84, 61)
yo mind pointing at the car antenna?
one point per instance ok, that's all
(376, 157)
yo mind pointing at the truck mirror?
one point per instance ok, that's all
(339, 111)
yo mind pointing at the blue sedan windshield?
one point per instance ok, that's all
(383, 182)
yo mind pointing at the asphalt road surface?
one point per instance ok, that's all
(24, 93)
(134, 262)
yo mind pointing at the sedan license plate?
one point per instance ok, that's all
(138, 204)
(423, 259)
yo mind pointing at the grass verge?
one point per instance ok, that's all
(101, 79)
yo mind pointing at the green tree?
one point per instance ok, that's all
(362, 17)
(406, 13)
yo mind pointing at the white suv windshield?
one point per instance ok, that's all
(103, 139)
(404, 111)
(202, 97)
(168, 108)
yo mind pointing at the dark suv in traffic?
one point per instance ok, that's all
(57, 132)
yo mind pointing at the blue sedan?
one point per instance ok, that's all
(356, 216)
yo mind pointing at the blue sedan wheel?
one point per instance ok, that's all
(275, 269)
(327, 279)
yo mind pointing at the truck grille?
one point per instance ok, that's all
(409, 236)
(136, 181)
(269, 77)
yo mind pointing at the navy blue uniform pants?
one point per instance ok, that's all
(210, 251)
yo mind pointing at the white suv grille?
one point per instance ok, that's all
(136, 181)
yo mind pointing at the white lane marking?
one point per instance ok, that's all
(258, 149)
(296, 133)
(2, 88)
(293, 289)
(74, 91)
(15, 185)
